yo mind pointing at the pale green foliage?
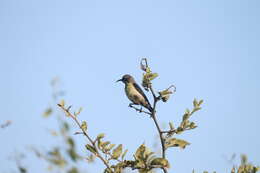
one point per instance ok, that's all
(91, 148)
(84, 125)
(117, 152)
(165, 94)
(144, 159)
(47, 112)
(60, 158)
(148, 76)
(173, 142)
(244, 166)
(113, 156)
(160, 162)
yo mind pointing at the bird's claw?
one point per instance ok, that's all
(130, 105)
(141, 109)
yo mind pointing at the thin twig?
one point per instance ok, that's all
(169, 131)
(175, 130)
(7, 123)
(140, 110)
(85, 134)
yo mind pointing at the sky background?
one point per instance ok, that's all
(208, 49)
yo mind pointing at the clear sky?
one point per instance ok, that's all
(208, 49)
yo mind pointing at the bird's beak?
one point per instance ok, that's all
(119, 80)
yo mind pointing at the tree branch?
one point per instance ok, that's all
(67, 112)
(155, 100)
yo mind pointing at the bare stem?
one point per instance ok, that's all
(156, 99)
(85, 134)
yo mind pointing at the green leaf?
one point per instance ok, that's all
(90, 148)
(160, 162)
(152, 76)
(58, 162)
(66, 126)
(108, 170)
(90, 158)
(139, 154)
(195, 103)
(179, 130)
(47, 112)
(84, 126)
(117, 152)
(165, 94)
(22, 169)
(147, 77)
(73, 155)
(104, 144)
(185, 117)
(100, 144)
(100, 136)
(173, 142)
(187, 111)
(73, 170)
(148, 70)
(70, 142)
(165, 98)
(110, 147)
(123, 155)
(192, 125)
(200, 102)
(62, 103)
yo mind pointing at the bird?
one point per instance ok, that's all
(134, 93)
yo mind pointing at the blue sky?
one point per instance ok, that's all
(208, 49)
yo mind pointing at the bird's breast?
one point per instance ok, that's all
(133, 94)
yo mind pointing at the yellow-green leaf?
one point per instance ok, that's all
(187, 111)
(173, 142)
(165, 98)
(104, 144)
(148, 70)
(200, 102)
(100, 136)
(47, 112)
(185, 116)
(160, 162)
(152, 76)
(117, 152)
(84, 125)
(139, 154)
(62, 103)
(165, 92)
(123, 155)
(71, 142)
(73, 170)
(195, 103)
(192, 125)
(90, 148)
(110, 147)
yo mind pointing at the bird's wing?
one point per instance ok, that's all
(141, 92)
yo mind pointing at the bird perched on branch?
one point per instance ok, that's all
(134, 92)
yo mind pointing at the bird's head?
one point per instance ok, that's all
(127, 79)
